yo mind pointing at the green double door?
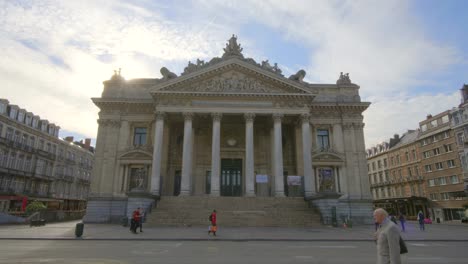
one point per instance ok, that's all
(231, 177)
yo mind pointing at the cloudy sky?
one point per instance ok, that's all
(409, 57)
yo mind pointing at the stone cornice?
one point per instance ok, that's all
(361, 107)
(157, 94)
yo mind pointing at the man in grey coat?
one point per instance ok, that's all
(388, 239)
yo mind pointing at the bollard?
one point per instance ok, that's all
(79, 230)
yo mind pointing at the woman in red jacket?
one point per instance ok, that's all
(213, 226)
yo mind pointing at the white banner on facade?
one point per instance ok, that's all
(260, 178)
(294, 180)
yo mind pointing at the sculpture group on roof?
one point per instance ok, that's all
(233, 49)
(344, 79)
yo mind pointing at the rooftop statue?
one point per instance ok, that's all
(344, 79)
(117, 76)
(232, 48)
(167, 74)
(298, 77)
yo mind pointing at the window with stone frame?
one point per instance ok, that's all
(407, 156)
(416, 169)
(454, 179)
(139, 137)
(431, 182)
(445, 119)
(414, 154)
(436, 151)
(439, 165)
(448, 148)
(428, 168)
(323, 141)
(451, 163)
(442, 181)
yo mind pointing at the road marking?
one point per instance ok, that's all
(321, 246)
(418, 244)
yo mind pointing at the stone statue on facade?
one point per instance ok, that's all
(344, 79)
(167, 74)
(117, 76)
(298, 77)
(232, 48)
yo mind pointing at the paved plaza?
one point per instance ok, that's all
(66, 230)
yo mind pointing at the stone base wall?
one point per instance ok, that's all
(359, 211)
(105, 210)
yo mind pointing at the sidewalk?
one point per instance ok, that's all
(66, 231)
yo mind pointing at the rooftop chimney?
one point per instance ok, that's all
(428, 116)
(69, 139)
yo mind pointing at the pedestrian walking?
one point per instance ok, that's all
(393, 219)
(387, 238)
(142, 219)
(402, 222)
(135, 223)
(213, 228)
(421, 220)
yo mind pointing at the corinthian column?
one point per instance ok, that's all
(157, 153)
(278, 156)
(249, 154)
(215, 154)
(187, 156)
(309, 181)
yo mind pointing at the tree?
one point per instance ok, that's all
(35, 206)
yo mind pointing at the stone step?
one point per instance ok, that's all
(233, 211)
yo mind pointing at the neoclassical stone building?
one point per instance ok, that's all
(229, 127)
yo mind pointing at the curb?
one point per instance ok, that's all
(224, 239)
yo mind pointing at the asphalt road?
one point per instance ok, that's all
(123, 252)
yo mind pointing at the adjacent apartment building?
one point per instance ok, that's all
(424, 168)
(441, 167)
(35, 164)
(460, 128)
(402, 189)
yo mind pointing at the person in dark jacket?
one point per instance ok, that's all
(135, 223)
(402, 222)
(421, 220)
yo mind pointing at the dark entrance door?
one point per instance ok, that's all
(231, 177)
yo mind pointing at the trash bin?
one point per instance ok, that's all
(79, 229)
(438, 220)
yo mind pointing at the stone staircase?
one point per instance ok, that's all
(233, 211)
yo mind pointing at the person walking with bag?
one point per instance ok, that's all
(213, 227)
(387, 238)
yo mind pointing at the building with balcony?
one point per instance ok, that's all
(459, 119)
(441, 167)
(35, 164)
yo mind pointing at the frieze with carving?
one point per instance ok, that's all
(230, 82)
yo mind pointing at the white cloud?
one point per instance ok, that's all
(382, 45)
(389, 116)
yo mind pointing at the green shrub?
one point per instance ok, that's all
(35, 206)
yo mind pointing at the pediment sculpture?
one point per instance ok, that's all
(344, 79)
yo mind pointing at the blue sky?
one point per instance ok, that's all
(409, 57)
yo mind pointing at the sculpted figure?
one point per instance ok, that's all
(298, 77)
(344, 79)
(167, 74)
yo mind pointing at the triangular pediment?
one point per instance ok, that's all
(232, 76)
(136, 155)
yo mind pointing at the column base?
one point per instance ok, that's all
(184, 193)
(250, 194)
(215, 194)
(279, 194)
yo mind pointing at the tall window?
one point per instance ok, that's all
(448, 148)
(140, 136)
(322, 138)
(451, 163)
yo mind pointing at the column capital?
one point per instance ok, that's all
(216, 116)
(249, 117)
(187, 116)
(277, 117)
(305, 118)
(159, 115)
